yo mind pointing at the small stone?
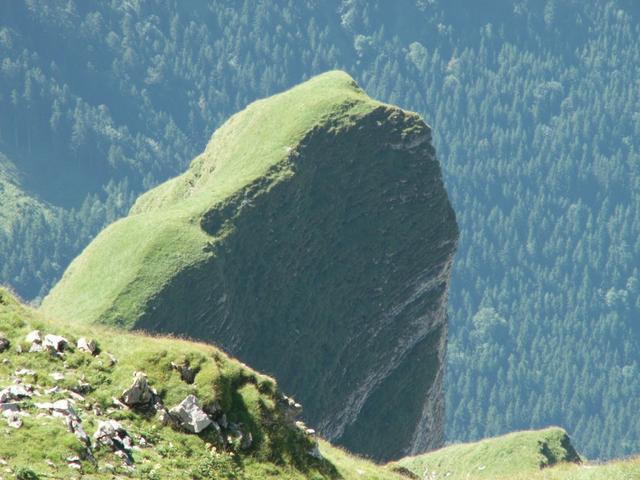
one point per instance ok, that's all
(9, 408)
(57, 376)
(126, 460)
(14, 421)
(139, 392)
(87, 345)
(34, 336)
(190, 416)
(75, 427)
(4, 344)
(76, 396)
(290, 409)
(112, 434)
(55, 342)
(23, 372)
(64, 406)
(59, 408)
(14, 392)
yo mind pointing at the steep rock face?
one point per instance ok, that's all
(313, 239)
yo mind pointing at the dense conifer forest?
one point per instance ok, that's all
(535, 109)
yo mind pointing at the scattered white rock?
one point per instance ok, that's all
(23, 372)
(14, 420)
(190, 416)
(143, 441)
(55, 342)
(34, 336)
(57, 376)
(74, 462)
(59, 408)
(75, 426)
(87, 345)
(139, 393)
(76, 396)
(290, 409)
(8, 408)
(14, 392)
(126, 459)
(112, 434)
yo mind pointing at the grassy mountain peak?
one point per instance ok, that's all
(313, 239)
(256, 142)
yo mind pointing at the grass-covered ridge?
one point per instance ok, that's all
(164, 235)
(247, 397)
(313, 239)
(539, 454)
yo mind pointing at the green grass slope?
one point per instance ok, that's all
(313, 239)
(43, 446)
(541, 454)
(164, 235)
(247, 397)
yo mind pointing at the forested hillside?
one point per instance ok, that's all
(535, 108)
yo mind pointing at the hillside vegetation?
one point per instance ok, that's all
(313, 239)
(278, 449)
(534, 110)
(542, 454)
(94, 384)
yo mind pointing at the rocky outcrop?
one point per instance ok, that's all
(139, 394)
(190, 416)
(313, 239)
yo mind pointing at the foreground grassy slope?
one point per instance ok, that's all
(313, 239)
(542, 454)
(247, 397)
